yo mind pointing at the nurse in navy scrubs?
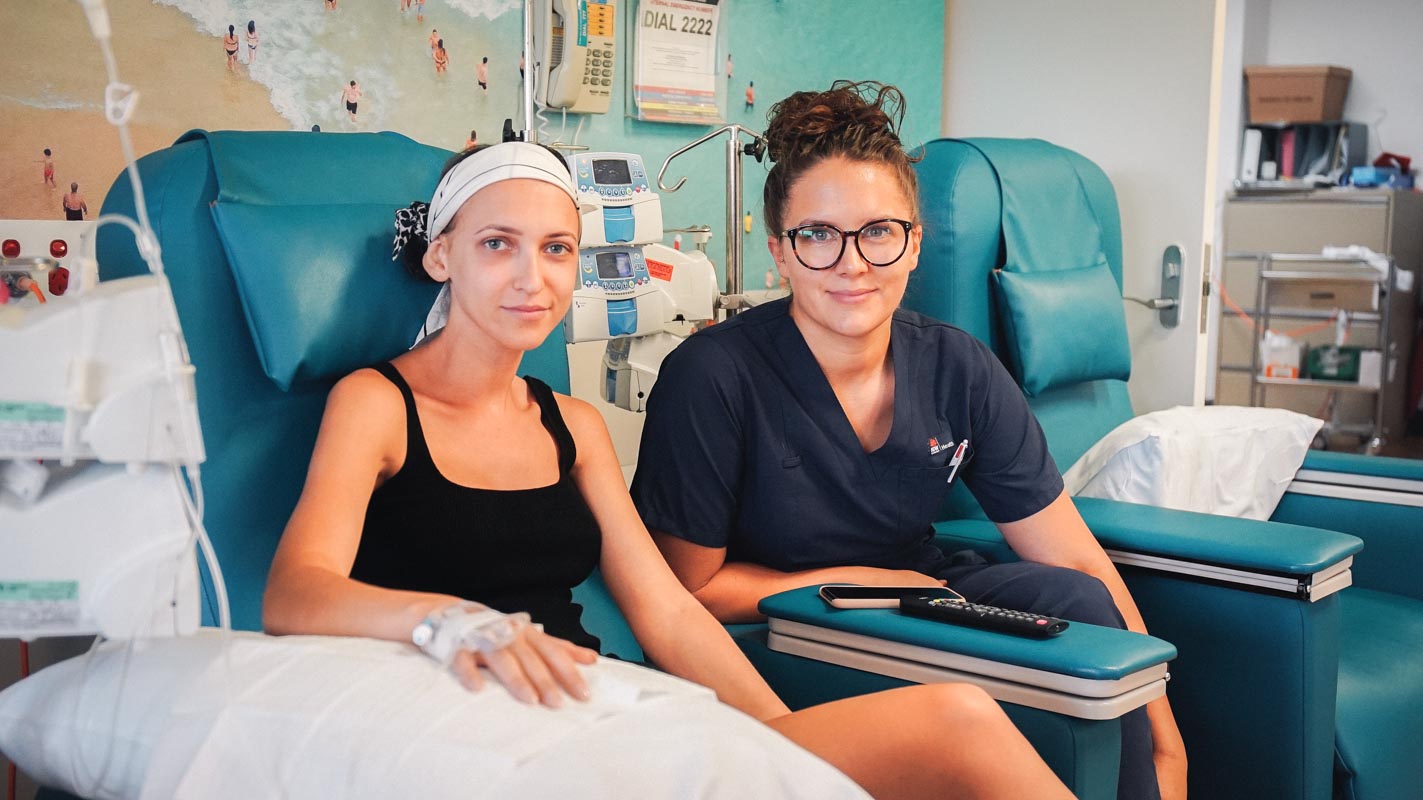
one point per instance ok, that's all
(812, 439)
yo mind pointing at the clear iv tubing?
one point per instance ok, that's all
(119, 102)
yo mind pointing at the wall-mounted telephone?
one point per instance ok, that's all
(575, 46)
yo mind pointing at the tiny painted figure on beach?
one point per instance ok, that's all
(229, 46)
(442, 58)
(351, 96)
(74, 206)
(252, 41)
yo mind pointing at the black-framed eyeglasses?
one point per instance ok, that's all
(820, 246)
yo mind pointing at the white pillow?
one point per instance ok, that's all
(321, 717)
(1227, 460)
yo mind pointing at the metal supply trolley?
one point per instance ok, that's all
(1272, 274)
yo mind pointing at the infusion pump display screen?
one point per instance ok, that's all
(611, 172)
(618, 179)
(617, 264)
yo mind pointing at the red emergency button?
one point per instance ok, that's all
(59, 248)
(58, 281)
(11, 248)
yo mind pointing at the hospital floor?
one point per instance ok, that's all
(1408, 447)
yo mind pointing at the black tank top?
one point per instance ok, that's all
(513, 550)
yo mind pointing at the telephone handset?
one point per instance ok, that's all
(575, 43)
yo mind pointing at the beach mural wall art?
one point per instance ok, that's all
(290, 67)
(295, 68)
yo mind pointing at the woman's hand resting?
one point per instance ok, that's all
(535, 668)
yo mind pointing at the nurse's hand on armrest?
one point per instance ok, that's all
(731, 590)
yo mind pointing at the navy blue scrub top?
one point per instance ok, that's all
(746, 447)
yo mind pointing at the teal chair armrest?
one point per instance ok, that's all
(1064, 693)
(1373, 466)
(1291, 558)
(1082, 652)
(1379, 500)
(1306, 561)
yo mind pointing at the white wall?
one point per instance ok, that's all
(1246, 26)
(1127, 84)
(1380, 40)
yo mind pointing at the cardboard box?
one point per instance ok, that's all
(1296, 94)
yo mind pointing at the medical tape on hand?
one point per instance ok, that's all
(477, 628)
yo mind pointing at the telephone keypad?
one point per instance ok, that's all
(598, 69)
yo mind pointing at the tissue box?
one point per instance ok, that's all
(1297, 94)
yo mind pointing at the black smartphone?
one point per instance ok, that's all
(847, 595)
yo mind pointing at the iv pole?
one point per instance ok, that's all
(531, 68)
(733, 301)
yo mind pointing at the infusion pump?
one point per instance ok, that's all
(619, 204)
(633, 291)
(96, 406)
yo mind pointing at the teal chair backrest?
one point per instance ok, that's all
(961, 194)
(278, 249)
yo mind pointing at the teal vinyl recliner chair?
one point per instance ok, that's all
(1283, 688)
(277, 246)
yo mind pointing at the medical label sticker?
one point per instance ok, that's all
(30, 429)
(26, 605)
(660, 270)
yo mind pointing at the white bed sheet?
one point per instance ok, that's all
(324, 717)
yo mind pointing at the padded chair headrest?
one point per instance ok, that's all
(306, 223)
(973, 227)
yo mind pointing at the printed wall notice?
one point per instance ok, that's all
(674, 77)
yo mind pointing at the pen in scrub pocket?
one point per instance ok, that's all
(957, 460)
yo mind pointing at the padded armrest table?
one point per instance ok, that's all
(1087, 671)
(1064, 693)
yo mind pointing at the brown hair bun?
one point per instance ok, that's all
(856, 120)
